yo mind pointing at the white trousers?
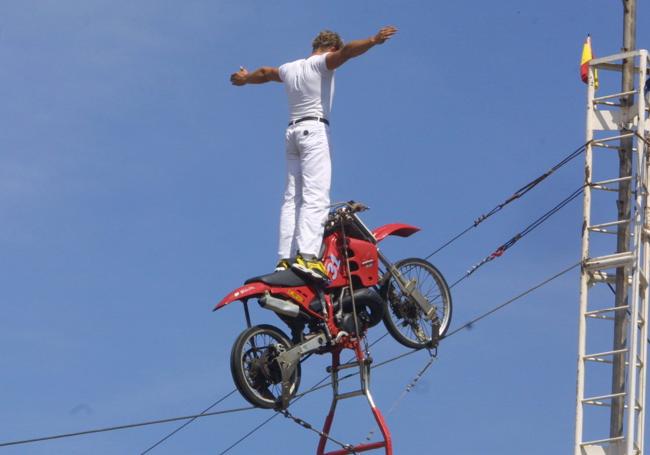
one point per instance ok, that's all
(307, 194)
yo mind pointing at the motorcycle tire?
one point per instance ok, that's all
(256, 375)
(403, 318)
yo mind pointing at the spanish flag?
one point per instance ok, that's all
(587, 55)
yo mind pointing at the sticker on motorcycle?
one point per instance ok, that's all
(296, 296)
(333, 266)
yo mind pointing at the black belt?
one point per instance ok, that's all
(304, 119)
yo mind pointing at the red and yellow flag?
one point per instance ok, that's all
(587, 55)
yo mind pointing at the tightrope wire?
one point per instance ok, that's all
(508, 302)
(516, 195)
(169, 435)
(514, 239)
(123, 427)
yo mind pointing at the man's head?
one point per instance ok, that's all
(326, 41)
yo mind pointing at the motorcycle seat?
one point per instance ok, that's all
(285, 278)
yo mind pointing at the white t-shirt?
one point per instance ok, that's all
(310, 87)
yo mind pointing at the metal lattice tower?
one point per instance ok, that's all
(601, 400)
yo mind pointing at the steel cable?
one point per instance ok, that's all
(123, 427)
(514, 239)
(516, 195)
(169, 435)
(347, 447)
(508, 302)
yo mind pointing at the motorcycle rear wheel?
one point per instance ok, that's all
(252, 365)
(403, 317)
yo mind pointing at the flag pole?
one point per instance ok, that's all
(617, 411)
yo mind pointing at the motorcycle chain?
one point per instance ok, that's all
(308, 426)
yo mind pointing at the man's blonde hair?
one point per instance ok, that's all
(327, 39)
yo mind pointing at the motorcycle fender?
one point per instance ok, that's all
(243, 293)
(398, 229)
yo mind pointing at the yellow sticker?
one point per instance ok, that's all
(299, 298)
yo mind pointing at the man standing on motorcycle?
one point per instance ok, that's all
(309, 84)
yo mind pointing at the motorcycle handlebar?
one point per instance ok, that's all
(357, 207)
(353, 206)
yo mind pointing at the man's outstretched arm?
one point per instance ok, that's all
(358, 47)
(259, 76)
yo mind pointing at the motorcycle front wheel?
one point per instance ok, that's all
(403, 317)
(256, 374)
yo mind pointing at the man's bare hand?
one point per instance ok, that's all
(240, 77)
(384, 34)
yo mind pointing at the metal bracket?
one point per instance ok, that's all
(288, 361)
(428, 309)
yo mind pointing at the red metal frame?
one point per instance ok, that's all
(387, 443)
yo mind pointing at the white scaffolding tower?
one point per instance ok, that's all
(599, 400)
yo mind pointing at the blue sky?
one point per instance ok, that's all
(137, 187)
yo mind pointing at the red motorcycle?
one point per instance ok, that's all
(411, 296)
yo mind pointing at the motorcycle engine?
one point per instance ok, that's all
(347, 322)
